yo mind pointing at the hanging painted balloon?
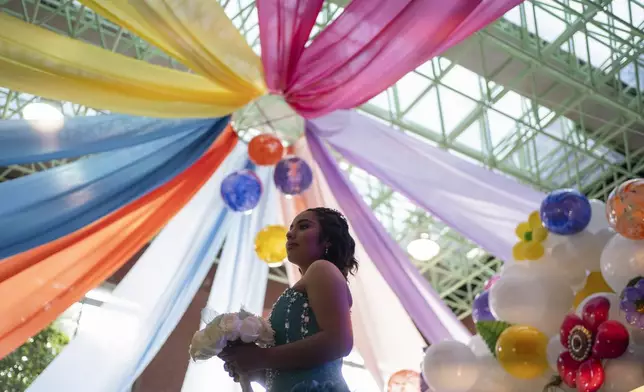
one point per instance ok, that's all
(404, 381)
(270, 244)
(241, 190)
(293, 176)
(265, 149)
(565, 212)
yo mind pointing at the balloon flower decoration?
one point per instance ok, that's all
(270, 244)
(567, 313)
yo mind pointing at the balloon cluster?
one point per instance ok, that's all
(567, 312)
(242, 190)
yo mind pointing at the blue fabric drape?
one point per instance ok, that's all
(115, 345)
(20, 143)
(44, 206)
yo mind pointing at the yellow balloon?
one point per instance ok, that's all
(522, 351)
(270, 244)
(595, 283)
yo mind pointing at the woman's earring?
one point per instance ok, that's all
(326, 252)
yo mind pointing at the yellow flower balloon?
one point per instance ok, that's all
(522, 351)
(531, 236)
(270, 244)
(595, 283)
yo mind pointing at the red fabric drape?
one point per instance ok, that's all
(36, 286)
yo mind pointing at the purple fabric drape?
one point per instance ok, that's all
(430, 314)
(480, 204)
(371, 45)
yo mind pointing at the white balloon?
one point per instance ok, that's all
(554, 240)
(613, 314)
(492, 377)
(622, 260)
(553, 351)
(567, 265)
(450, 366)
(598, 218)
(637, 338)
(478, 346)
(586, 248)
(532, 296)
(623, 374)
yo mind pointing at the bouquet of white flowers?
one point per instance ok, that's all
(231, 328)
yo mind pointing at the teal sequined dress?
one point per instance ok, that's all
(292, 319)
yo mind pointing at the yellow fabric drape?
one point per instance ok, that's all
(195, 32)
(61, 68)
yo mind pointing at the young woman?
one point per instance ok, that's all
(311, 320)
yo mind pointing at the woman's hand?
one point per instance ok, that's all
(245, 359)
(231, 372)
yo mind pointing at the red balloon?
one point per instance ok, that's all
(265, 149)
(404, 381)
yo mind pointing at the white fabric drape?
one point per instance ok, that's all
(109, 354)
(240, 281)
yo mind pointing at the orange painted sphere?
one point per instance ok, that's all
(265, 149)
(625, 209)
(404, 381)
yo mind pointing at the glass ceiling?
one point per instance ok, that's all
(551, 95)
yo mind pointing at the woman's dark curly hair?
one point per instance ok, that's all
(335, 230)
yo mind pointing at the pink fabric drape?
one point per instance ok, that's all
(371, 45)
(384, 334)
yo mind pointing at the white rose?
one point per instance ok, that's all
(220, 344)
(199, 341)
(242, 314)
(230, 325)
(266, 335)
(203, 347)
(250, 329)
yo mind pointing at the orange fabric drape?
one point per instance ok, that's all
(37, 285)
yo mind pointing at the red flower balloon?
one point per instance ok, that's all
(265, 149)
(589, 339)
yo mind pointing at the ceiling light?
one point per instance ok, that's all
(473, 253)
(43, 117)
(423, 248)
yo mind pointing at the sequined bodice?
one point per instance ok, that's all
(293, 319)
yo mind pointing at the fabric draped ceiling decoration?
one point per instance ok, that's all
(21, 143)
(344, 66)
(228, 73)
(483, 206)
(349, 62)
(38, 285)
(121, 340)
(53, 203)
